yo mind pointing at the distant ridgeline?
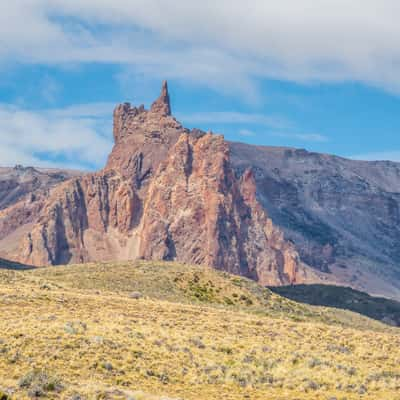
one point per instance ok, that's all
(385, 310)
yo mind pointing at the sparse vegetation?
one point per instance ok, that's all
(86, 337)
(4, 396)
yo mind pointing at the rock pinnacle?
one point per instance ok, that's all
(162, 104)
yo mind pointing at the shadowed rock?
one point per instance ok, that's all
(384, 310)
(5, 264)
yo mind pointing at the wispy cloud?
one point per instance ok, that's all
(91, 110)
(223, 117)
(200, 42)
(73, 137)
(269, 125)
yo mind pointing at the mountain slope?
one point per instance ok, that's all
(192, 284)
(342, 215)
(169, 330)
(385, 310)
(19, 182)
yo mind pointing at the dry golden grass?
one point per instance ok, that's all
(77, 333)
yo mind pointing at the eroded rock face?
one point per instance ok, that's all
(23, 194)
(197, 211)
(96, 206)
(167, 194)
(142, 139)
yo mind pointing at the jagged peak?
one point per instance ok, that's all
(162, 105)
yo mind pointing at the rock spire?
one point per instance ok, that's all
(162, 105)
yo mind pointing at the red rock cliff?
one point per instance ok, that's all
(166, 193)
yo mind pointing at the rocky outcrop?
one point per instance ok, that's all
(142, 139)
(197, 211)
(162, 106)
(23, 194)
(79, 212)
(166, 193)
(171, 193)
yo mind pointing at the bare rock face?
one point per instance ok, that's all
(166, 193)
(23, 193)
(198, 212)
(143, 138)
(79, 212)
(162, 105)
(173, 194)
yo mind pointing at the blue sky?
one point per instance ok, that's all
(325, 77)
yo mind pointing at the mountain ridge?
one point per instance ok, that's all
(166, 193)
(342, 215)
(279, 215)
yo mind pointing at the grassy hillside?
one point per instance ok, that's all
(191, 285)
(166, 331)
(345, 298)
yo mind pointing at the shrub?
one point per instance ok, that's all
(39, 382)
(4, 396)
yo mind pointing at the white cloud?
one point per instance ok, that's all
(91, 110)
(225, 44)
(72, 137)
(281, 127)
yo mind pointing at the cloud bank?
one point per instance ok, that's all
(75, 137)
(226, 44)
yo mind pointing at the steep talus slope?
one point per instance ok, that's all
(166, 193)
(342, 215)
